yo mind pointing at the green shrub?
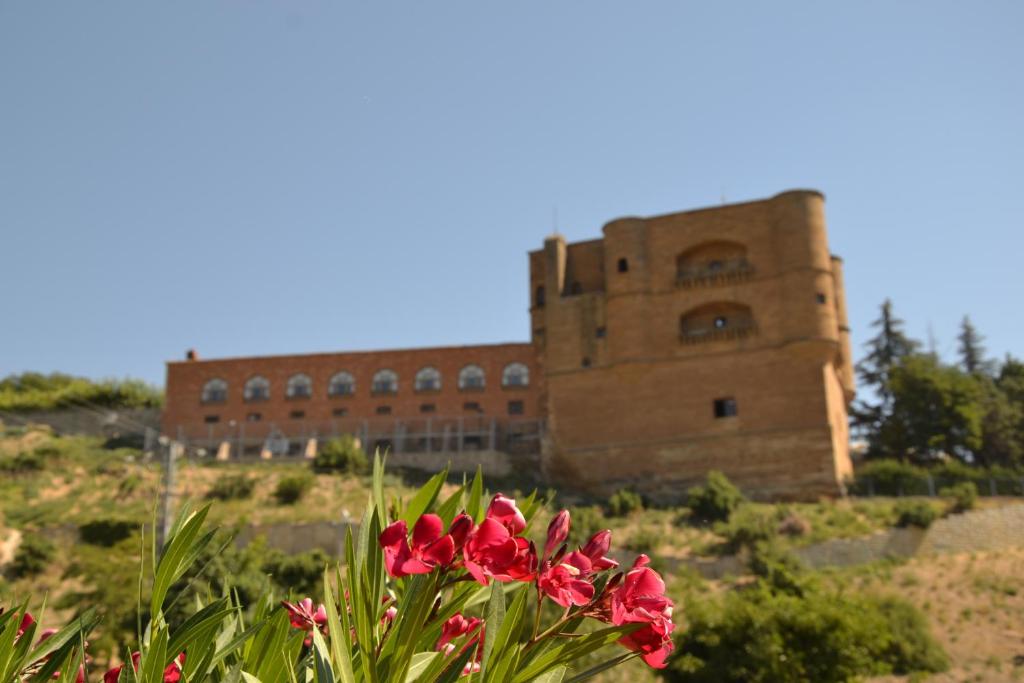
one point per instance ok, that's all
(106, 532)
(232, 487)
(36, 391)
(23, 462)
(890, 478)
(764, 636)
(917, 513)
(964, 495)
(624, 502)
(746, 527)
(644, 540)
(33, 556)
(715, 500)
(341, 455)
(292, 488)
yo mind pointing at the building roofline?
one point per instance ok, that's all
(714, 207)
(356, 352)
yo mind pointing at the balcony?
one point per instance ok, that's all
(711, 273)
(736, 330)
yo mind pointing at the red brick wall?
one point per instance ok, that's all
(185, 380)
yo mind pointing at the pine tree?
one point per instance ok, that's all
(885, 351)
(972, 353)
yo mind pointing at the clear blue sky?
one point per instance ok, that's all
(280, 177)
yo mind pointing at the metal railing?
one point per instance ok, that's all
(413, 435)
(713, 272)
(736, 330)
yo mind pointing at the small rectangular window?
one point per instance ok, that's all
(383, 410)
(822, 298)
(515, 408)
(600, 332)
(472, 406)
(623, 265)
(253, 417)
(339, 412)
(726, 407)
(211, 419)
(297, 414)
(428, 408)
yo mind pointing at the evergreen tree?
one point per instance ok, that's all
(972, 353)
(885, 351)
(937, 408)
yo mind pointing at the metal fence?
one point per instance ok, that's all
(418, 435)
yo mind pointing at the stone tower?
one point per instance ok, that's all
(708, 339)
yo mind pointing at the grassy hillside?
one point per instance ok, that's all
(50, 486)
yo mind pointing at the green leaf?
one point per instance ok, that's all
(553, 676)
(424, 498)
(341, 648)
(321, 660)
(174, 562)
(474, 508)
(208, 618)
(420, 663)
(569, 651)
(493, 617)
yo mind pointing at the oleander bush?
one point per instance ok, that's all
(433, 588)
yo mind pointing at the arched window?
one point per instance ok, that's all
(257, 389)
(215, 391)
(716, 321)
(623, 265)
(299, 386)
(428, 379)
(471, 377)
(385, 382)
(515, 375)
(538, 298)
(341, 384)
(713, 262)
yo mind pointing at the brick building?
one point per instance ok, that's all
(708, 339)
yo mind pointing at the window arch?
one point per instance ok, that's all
(385, 382)
(471, 377)
(215, 391)
(299, 386)
(718, 261)
(341, 384)
(716, 321)
(428, 379)
(257, 388)
(515, 375)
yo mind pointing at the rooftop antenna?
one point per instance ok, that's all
(933, 346)
(554, 220)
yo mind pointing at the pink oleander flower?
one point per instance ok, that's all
(596, 550)
(460, 529)
(641, 599)
(456, 627)
(430, 547)
(504, 510)
(27, 620)
(172, 674)
(566, 582)
(558, 531)
(304, 616)
(492, 552)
